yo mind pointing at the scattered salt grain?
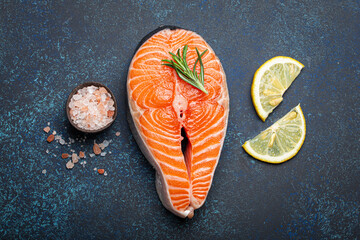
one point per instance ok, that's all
(74, 158)
(50, 138)
(96, 149)
(47, 129)
(69, 165)
(101, 146)
(81, 154)
(91, 108)
(83, 163)
(105, 143)
(48, 123)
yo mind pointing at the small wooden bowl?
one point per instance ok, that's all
(86, 84)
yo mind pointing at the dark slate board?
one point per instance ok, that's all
(49, 47)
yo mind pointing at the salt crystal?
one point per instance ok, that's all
(91, 89)
(105, 173)
(46, 129)
(54, 154)
(117, 134)
(54, 133)
(103, 154)
(48, 123)
(72, 150)
(77, 97)
(74, 158)
(77, 105)
(102, 146)
(44, 171)
(95, 169)
(83, 163)
(105, 143)
(111, 102)
(47, 151)
(81, 116)
(69, 165)
(91, 155)
(109, 152)
(103, 97)
(62, 141)
(102, 90)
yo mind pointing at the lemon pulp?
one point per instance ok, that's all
(271, 81)
(281, 141)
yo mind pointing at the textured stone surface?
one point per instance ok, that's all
(48, 48)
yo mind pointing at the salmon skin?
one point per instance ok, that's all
(162, 106)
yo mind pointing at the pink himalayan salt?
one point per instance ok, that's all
(92, 108)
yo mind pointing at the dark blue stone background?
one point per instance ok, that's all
(49, 47)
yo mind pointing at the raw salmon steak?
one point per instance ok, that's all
(162, 106)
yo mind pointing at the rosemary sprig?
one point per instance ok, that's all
(183, 70)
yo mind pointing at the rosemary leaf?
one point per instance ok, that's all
(183, 70)
(201, 67)
(198, 58)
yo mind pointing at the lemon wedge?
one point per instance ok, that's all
(281, 141)
(271, 81)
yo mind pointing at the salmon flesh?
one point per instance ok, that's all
(162, 106)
